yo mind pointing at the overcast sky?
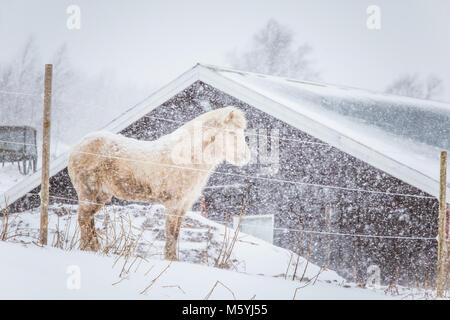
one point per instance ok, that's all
(148, 43)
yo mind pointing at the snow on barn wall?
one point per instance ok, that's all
(303, 206)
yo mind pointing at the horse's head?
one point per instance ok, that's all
(213, 137)
(224, 133)
(237, 151)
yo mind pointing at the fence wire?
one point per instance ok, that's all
(265, 227)
(248, 177)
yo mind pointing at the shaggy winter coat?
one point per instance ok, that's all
(171, 170)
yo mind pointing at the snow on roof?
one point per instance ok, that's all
(387, 131)
(421, 121)
(399, 135)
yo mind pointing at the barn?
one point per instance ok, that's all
(351, 176)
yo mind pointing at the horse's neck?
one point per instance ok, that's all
(172, 141)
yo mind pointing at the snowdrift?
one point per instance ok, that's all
(256, 269)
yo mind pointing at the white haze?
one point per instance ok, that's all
(147, 43)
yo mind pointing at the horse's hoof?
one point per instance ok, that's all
(95, 245)
(171, 258)
(90, 246)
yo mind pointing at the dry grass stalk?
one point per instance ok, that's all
(308, 256)
(139, 264)
(63, 239)
(299, 248)
(119, 281)
(295, 292)
(208, 239)
(5, 223)
(56, 241)
(309, 282)
(215, 285)
(119, 236)
(174, 286)
(392, 288)
(148, 271)
(5, 232)
(289, 265)
(223, 245)
(154, 280)
(226, 250)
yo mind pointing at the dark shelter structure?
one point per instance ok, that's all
(351, 176)
(18, 145)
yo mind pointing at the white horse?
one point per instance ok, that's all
(171, 170)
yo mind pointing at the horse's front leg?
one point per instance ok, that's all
(174, 218)
(88, 237)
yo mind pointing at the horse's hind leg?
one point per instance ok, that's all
(88, 239)
(86, 212)
(173, 225)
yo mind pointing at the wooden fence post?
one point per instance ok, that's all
(46, 153)
(442, 245)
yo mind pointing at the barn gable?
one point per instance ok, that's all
(313, 160)
(313, 164)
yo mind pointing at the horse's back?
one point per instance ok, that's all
(98, 138)
(98, 149)
(89, 151)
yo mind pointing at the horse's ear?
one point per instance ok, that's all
(236, 117)
(230, 116)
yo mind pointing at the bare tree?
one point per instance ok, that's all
(64, 81)
(412, 85)
(20, 83)
(272, 51)
(434, 87)
(80, 102)
(64, 73)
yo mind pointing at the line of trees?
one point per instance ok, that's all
(80, 103)
(272, 50)
(84, 103)
(416, 86)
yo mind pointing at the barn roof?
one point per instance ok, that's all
(399, 135)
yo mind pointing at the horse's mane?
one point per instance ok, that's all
(237, 117)
(220, 118)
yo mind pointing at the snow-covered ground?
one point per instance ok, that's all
(49, 273)
(255, 269)
(201, 240)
